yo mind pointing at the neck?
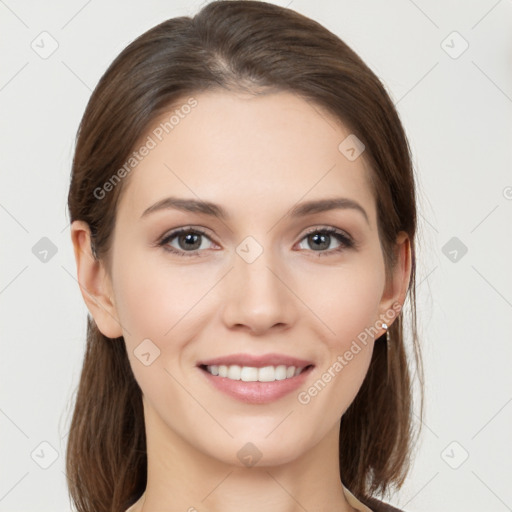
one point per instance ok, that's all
(180, 477)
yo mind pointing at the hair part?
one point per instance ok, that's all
(255, 47)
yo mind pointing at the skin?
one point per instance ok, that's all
(257, 157)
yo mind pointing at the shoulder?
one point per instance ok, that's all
(380, 506)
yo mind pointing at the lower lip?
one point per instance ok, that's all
(257, 392)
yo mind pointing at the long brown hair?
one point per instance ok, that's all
(257, 47)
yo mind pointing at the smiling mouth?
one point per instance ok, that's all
(255, 374)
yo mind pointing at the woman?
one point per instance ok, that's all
(243, 219)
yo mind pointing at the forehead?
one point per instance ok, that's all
(242, 150)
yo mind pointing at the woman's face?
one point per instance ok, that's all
(263, 279)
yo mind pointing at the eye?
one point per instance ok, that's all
(321, 238)
(189, 241)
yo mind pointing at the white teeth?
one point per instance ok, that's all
(234, 372)
(267, 374)
(281, 372)
(252, 374)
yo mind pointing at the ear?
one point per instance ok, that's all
(94, 282)
(396, 287)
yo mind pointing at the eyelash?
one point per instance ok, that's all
(345, 241)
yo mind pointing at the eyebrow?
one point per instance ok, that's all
(300, 210)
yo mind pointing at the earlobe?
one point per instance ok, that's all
(94, 282)
(396, 289)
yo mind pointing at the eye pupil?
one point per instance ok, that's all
(190, 240)
(318, 237)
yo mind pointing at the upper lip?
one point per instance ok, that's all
(256, 361)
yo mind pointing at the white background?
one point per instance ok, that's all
(457, 113)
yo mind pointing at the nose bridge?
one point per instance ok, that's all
(257, 296)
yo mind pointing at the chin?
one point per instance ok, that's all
(259, 451)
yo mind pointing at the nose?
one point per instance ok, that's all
(258, 297)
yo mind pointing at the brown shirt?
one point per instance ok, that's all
(381, 506)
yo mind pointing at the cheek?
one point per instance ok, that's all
(345, 299)
(348, 308)
(347, 356)
(353, 313)
(157, 301)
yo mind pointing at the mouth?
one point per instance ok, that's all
(255, 374)
(256, 380)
